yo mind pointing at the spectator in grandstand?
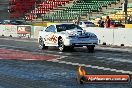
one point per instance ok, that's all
(76, 21)
(101, 22)
(130, 20)
(107, 22)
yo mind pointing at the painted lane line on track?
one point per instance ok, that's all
(94, 67)
(30, 59)
(23, 40)
(53, 60)
(115, 54)
(57, 59)
(89, 66)
(114, 49)
(119, 59)
(116, 59)
(12, 46)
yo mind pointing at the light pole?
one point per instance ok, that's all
(125, 10)
(35, 7)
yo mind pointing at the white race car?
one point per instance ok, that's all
(66, 36)
(86, 24)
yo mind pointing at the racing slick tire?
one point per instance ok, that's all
(42, 45)
(61, 45)
(90, 49)
(70, 48)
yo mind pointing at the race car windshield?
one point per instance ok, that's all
(64, 27)
(90, 24)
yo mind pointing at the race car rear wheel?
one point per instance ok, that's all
(41, 44)
(71, 48)
(61, 45)
(90, 49)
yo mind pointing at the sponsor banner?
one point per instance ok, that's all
(107, 78)
(24, 31)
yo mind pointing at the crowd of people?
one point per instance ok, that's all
(76, 21)
(101, 22)
(106, 23)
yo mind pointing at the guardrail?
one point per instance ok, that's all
(108, 36)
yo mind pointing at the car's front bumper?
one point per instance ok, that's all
(80, 42)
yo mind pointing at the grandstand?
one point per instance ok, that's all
(62, 10)
(4, 9)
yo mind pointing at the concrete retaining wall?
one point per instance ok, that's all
(36, 31)
(115, 36)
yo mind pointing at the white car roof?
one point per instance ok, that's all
(63, 23)
(57, 24)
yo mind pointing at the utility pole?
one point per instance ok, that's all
(35, 11)
(125, 10)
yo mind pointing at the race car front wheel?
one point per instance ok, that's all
(61, 45)
(41, 44)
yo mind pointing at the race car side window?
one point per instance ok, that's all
(61, 28)
(51, 29)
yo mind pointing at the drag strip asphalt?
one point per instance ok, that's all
(61, 71)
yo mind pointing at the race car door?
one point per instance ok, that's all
(50, 36)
